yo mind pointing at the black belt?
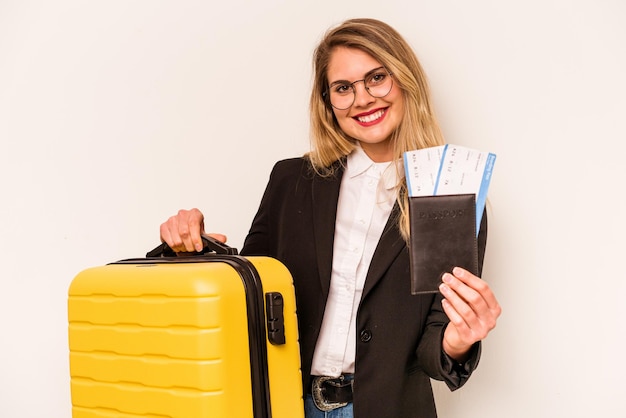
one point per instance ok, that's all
(332, 392)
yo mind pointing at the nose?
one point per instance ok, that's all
(361, 95)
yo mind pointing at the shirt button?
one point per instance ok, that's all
(366, 335)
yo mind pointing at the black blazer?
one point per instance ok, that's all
(399, 336)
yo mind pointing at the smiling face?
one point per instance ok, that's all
(369, 120)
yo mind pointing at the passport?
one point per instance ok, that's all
(443, 236)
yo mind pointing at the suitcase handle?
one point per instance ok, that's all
(210, 245)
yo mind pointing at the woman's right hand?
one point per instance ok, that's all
(183, 231)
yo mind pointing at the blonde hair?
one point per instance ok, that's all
(419, 127)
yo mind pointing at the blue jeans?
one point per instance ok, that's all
(311, 411)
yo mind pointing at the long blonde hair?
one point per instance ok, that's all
(419, 127)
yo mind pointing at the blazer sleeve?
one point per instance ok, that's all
(264, 235)
(257, 240)
(434, 361)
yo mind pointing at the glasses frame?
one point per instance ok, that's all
(326, 93)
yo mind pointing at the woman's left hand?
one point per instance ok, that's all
(472, 308)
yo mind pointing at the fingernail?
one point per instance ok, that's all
(446, 278)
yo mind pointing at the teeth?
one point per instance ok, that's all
(372, 117)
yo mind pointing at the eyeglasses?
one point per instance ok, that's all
(341, 94)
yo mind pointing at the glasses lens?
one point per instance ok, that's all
(341, 95)
(379, 83)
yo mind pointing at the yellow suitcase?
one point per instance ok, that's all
(207, 336)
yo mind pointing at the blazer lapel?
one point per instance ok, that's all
(325, 195)
(388, 248)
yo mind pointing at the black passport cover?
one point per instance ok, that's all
(443, 236)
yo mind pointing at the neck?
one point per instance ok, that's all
(379, 153)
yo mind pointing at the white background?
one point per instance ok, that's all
(115, 114)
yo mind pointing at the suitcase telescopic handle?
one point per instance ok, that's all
(210, 246)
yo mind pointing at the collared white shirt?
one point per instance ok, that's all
(366, 198)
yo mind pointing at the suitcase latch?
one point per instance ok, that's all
(275, 318)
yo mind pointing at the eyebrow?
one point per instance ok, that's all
(364, 77)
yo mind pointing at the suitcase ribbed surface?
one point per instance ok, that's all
(156, 340)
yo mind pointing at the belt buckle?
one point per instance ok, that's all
(317, 392)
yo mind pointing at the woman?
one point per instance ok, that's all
(338, 219)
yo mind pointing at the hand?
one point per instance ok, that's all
(182, 232)
(472, 308)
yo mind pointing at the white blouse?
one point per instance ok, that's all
(366, 198)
